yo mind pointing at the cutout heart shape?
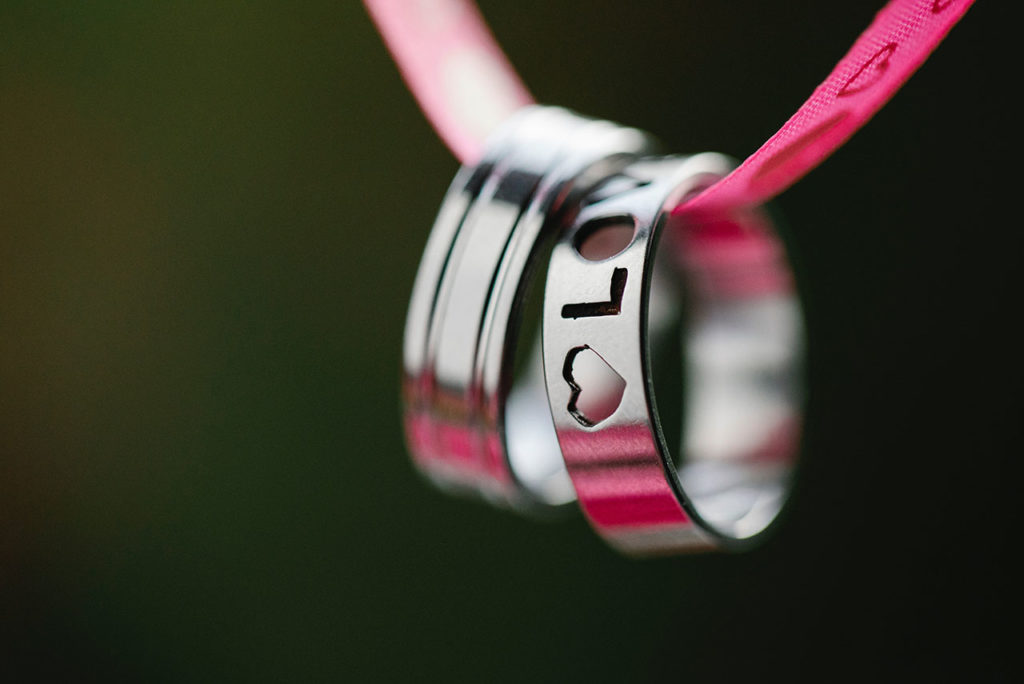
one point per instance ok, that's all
(596, 389)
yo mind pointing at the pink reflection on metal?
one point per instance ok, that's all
(495, 464)
(731, 255)
(419, 435)
(779, 446)
(457, 443)
(620, 478)
(457, 454)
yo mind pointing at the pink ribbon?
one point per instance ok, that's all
(452, 64)
(466, 86)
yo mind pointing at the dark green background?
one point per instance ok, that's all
(210, 218)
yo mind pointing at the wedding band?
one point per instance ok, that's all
(471, 426)
(475, 424)
(742, 354)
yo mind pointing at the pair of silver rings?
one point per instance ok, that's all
(665, 396)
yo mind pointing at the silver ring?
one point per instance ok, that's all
(471, 426)
(742, 354)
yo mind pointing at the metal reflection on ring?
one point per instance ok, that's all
(605, 310)
(470, 425)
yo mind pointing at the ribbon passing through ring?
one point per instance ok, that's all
(586, 424)
(654, 258)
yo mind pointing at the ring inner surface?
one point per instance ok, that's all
(729, 388)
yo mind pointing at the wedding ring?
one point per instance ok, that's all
(626, 282)
(610, 288)
(471, 425)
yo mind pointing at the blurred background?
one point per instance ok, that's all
(210, 219)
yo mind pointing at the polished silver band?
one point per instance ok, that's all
(610, 290)
(717, 294)
(470, 425)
